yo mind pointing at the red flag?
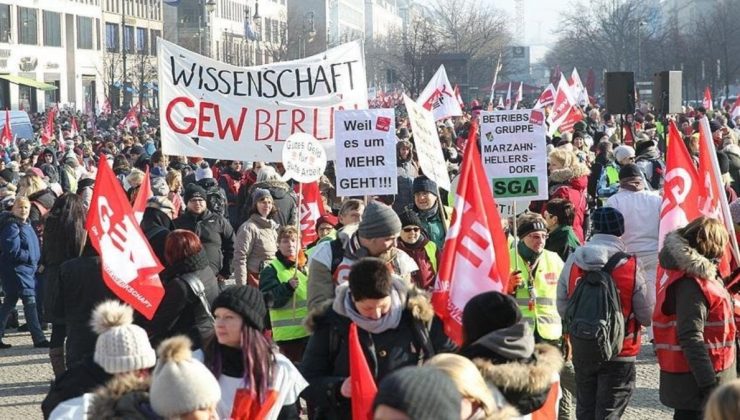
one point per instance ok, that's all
(6, 138)
(74, 131)
(475, 257)
(363, 384)
(562, 107)
(129, 265)
(311, 209)
(547, 97)
(130, 120)
(575, 115)
(48, 131)
(707, 102)
(144, 194)
(735, 110)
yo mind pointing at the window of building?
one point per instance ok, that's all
(142, 41)
(268, 30)
(112, 42)
(84, 33)
(28, 26)
(4, 23)
(52, 29)
(128, 38)
(155, 34)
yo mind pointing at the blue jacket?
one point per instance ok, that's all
(19, 254)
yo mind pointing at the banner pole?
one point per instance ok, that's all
(516, 237)
(298, 213)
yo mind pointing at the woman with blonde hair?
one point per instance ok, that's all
(693, 322)
(478, 400)
(724, 403)
(174, 182)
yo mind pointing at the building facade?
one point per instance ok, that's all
(50, 53)
(316, 25)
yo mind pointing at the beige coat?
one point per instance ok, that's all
(256, 242)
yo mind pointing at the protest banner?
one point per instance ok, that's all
(215, 110)
(514, 154)
(428, 147)
(366, 152)
(303, 158)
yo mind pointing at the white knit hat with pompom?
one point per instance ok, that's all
(121, 346)
(181, 384)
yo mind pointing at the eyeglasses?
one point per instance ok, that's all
(542, 236)
(411, 229)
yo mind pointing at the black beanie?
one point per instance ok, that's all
(489, 311)
(247, 301)
(194, 191)
(409, 218)
(629, 171)
(422, 393)
(422, 183)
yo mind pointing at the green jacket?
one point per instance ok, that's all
(562, 241)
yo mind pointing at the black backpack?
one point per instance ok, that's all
(594, 317)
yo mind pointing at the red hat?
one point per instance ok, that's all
(327, 218)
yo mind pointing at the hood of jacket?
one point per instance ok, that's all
(278, 189)
(417, 302)
(595, 253)
(525, 385)
(564, 175)
(504, 345)
(123, 397)
(45, 197)
(678, 255)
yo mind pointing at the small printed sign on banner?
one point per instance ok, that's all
(428, 147)
(366, 152)
(514, 154)
(303, 158)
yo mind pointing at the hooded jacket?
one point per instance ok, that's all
(256, 242)
(689, 390)
(593, 255)
(20, 254)
(509, 360)
(571, 184)
(215, 234)
(123, 397)
(156, 225)
(325, 362)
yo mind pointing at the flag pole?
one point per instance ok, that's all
(495, 77)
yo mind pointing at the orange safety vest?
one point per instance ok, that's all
(549, 409)
(625, 276)
(719, 328)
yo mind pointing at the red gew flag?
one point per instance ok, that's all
(144, 194)
(48, 131)
(311, 209)
(363, 383)
(707, 101)
(130, 268)
(6, 138)
(475, 257)
(130, 120)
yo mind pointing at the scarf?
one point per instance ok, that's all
(426, 215)
(633, 183)
(527, 254)
(343, 305)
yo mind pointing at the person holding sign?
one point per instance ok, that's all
(427, 207)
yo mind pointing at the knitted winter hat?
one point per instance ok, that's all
(121, 346)
(629, 171)
(194, 191)
(247, 301)
(379, 221)
(259, 193)
(623, 152)
(422, 393)
(203, 171)
(608, 220)
(409, 218)
(527, 223)
(181, 384)
(489, 311)
(422, 184)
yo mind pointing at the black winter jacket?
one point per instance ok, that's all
(181, 311)
(156, 225)
(79, 379)
(215, 234)
(325, 362)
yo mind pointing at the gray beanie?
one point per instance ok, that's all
(422, 393)
(181, 384)
(121, 345)
(379, 221)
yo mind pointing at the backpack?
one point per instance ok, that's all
(594, 317)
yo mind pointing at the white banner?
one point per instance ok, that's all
(216, 110)
(514, 154)
(366, 152)
(428, 146)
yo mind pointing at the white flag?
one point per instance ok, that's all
(507, 104)
(439, 97)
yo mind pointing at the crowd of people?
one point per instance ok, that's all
(275, 344)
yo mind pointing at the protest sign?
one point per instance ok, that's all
(216, 110)
(366, 152)
(303, 158)
(514, 154)
(508, 209)
(428, 147)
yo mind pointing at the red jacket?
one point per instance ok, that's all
(719, 328)
(625, 276)
(575, 192)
